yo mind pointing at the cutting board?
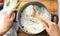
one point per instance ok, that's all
(52, 6)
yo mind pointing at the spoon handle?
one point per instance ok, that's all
(35, 12)
(36, 15)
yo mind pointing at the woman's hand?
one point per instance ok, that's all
(8, 20)
(51, 28)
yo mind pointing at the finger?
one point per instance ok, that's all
(11, 13)
(55, 25)
(12, 17)
(45, 26)
(46, 21)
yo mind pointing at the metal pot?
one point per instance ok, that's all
(51, 16)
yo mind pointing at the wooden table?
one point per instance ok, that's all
(52, 6)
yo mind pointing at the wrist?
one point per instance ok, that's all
(3, 30)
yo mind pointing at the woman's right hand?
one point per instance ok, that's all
(51, 28)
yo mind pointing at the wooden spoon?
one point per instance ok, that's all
(36, 15)
(40, 18)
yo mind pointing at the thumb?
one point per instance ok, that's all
(12, 12)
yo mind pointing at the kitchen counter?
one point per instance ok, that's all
(21, 33)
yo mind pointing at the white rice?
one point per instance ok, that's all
(36, 26)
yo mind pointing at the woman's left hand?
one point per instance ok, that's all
(7, 24)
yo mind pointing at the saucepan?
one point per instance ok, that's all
(30, 24)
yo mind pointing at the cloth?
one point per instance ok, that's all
(12, 31)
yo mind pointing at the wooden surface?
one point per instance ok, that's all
(52, 6)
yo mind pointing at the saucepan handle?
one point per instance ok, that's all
(15, 14)
(52, 18)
